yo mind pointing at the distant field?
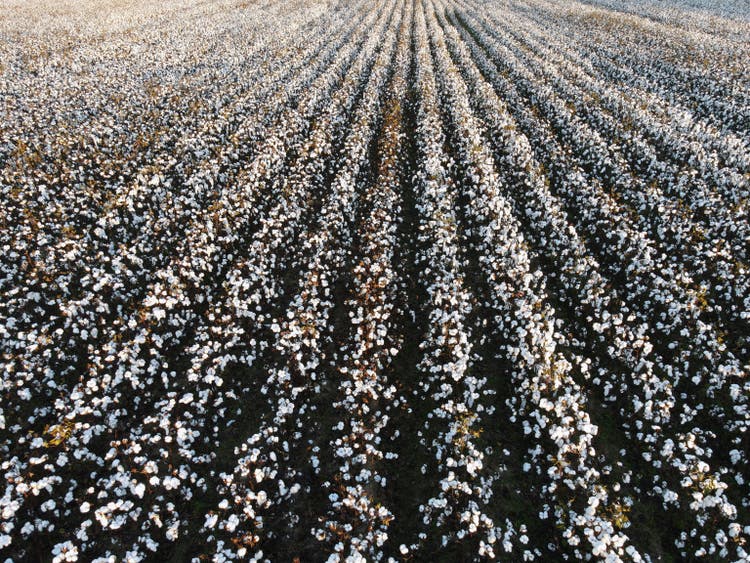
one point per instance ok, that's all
(404, 280)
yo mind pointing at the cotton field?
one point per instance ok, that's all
(374, 280)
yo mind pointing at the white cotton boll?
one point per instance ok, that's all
(598, 548)
(232, 523)
(9, 511)
(5, 540)
(171, 483)
(211, 520)
(102, 518)
(64, 552)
